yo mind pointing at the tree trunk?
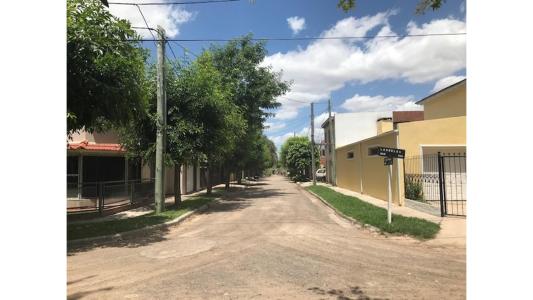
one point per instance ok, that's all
(227, 175)
(239, 176)
(208, 179)
(177, 185)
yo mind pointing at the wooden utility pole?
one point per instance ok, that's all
(161, 120)
(331, 145)
(329, 167)
(313, 143)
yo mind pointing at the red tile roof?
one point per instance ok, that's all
(84, 145)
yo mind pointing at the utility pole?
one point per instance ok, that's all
(313, 143)
(331, 145)
(161, 120)
(329, 170)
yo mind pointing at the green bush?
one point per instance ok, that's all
(300, 178)
(413, 191)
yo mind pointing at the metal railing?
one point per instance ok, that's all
(108, 197)
(438, 180)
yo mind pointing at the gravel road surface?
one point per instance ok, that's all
(268, 241)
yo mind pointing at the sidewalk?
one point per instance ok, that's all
(169, 200)
(453, 229)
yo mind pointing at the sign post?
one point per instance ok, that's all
(389, 154)
(389, 176)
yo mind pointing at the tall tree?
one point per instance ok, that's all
(105, 72)
(202, 121)
(254, 88)
(220, 120)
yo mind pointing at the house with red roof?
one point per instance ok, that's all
(98, 167)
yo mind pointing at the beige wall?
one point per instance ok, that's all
(384, 126)
(442, 132)
(367, 174)
(348, 170)
(108, 137)
(449, 103)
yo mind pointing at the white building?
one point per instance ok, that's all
(346, 128)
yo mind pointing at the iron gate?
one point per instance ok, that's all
(438, 180)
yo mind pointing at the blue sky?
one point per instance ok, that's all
(358, 75)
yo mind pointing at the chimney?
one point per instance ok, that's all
(384, 125)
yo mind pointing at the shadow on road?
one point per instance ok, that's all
(134, 240)
(354, 293)
(232, 200)
(80, 295)
(79, 280)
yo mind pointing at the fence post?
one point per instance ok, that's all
(132, 191)
(100, 198)
(441, 185)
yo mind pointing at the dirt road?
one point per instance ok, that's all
(270, 241)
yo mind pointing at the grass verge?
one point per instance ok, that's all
(86, 230)
(376, 216)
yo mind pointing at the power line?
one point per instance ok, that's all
(321, 38)
(186, 49)
(145, 22)
(172, 3)
(294, 100)
(303, 102)
(150, 30)
(138, 27)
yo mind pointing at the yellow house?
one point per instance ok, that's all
(443, 129)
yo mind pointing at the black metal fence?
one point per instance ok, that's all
(438, 180)
(108, 197)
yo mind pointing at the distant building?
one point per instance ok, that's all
(346, 128)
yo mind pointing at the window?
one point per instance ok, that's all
(370, 147)
(349, 155)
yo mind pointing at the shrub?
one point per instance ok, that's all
(413, 191)
(300, 178)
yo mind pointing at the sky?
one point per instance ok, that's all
(358, 75)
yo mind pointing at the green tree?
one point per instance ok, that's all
(421, 8)
(222, 121)
(202, 121)
(254, 89)
(105, 73)
(263, 156)
(296, 157)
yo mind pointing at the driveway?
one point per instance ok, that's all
(270, 241)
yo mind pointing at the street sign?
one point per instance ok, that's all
(387, 152)
(389, 155)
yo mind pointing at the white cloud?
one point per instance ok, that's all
(296, 24)
(446, 82)
(360, 103)
(170, 17)
(319, 131)
(280, 139)
(325, 66)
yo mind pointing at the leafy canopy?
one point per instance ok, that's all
(254, 88)
(296, 156)
(423, 5)
(105, 73)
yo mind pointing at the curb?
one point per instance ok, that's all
(347, 218)
(148, 228)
